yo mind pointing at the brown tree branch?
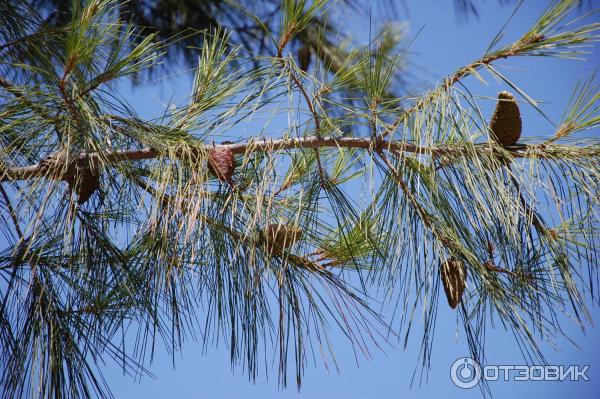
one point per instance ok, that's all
(272, 145)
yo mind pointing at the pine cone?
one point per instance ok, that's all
(506, 123)
(280, 236)
(454, 277)
(304, 57)
(82, 178)
(221, 163)
(85, 182)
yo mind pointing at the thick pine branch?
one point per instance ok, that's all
(535, 151)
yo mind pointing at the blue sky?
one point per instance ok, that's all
(442, 45)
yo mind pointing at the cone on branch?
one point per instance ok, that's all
(304, 57)
(506, 124)
(454, 278)
(82, 177)
(85, 182)
(280, 236)
(221, 163)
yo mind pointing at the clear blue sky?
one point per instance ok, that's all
(443, 45)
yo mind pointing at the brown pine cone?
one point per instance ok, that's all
(454, 278)
(304, 58)
(221, 163)
(85, 182)
(506, 123)
(280, 236)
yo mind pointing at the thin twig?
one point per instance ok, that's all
(311, 107)
(454, 78)
(20, 94)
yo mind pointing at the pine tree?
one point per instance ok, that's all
(159, 229)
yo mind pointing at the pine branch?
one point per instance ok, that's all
(542, 39)
(531, 151)
(21, 95)
(166, 238)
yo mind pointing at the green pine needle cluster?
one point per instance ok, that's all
(164, 252)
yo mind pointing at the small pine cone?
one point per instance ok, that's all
(506, 123)
(82, 178)
(280, 236)
(221, 163)
(84, 183)
(454, 278)
(304, 57)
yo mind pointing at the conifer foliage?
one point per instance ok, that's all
(119, 233)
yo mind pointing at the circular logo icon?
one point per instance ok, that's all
(465, 372)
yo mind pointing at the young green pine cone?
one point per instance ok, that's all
(221, 163)
(280, 236)
(304, 56)
(454, 278)
(506, 123)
